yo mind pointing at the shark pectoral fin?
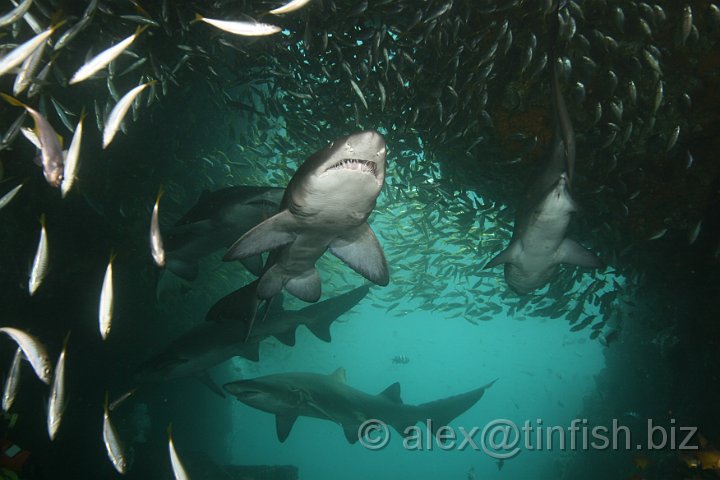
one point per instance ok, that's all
(274, 232)
(206, 380)
(249, 351)
(575, 254)
(361, 251)
(185, 269)
(254, 264)
(392, 393)
(283, 425)
(506, 256)
(286, 338)
(270, 283)
(351, 433)
(318, 318)
(306, 287)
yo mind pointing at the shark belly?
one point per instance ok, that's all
(537, 261)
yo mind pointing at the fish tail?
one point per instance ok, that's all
(55, 21)
(42, 220)
(66, 340)
(13, 101)
(140, 29)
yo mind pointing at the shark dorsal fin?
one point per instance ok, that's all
(339, 375)
(392, 393)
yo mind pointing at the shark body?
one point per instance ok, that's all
(224, 334)
(328, 397)
(325, 207)
(539, 243)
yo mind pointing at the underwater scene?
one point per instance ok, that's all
(322, 239)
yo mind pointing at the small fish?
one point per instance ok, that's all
(106, 301)
(28, 69)
(101, 60)
(117, 114)
(686, 25)
(690, 160)
(290, 7)
(249, 29)
(12, 382)
(13, 15)
(21, 52)
(156, 241)
(66, 37)
(57, 403)
(359, 93)
(114, 448)
(72, 158)
(9, 196)
(40, 262)
(34, 351)
(693, 234)
(673, 138)
(50, 143)
(40, 80)
(178, 468)
(659, 234)
(121, 399)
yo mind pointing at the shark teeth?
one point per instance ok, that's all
(364, 166)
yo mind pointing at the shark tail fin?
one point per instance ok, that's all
(318, 318)
(442, 412)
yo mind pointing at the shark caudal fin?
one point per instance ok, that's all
(444, 411)
(318, 318)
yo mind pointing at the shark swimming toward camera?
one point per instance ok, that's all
(292, 395)
(214, 223)
(539, 244)
(326, 206)
(224, 334)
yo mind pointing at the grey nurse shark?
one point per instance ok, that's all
(539, 244)
(215, 222)
(328, 397)
(325, 207)
(225, 334)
